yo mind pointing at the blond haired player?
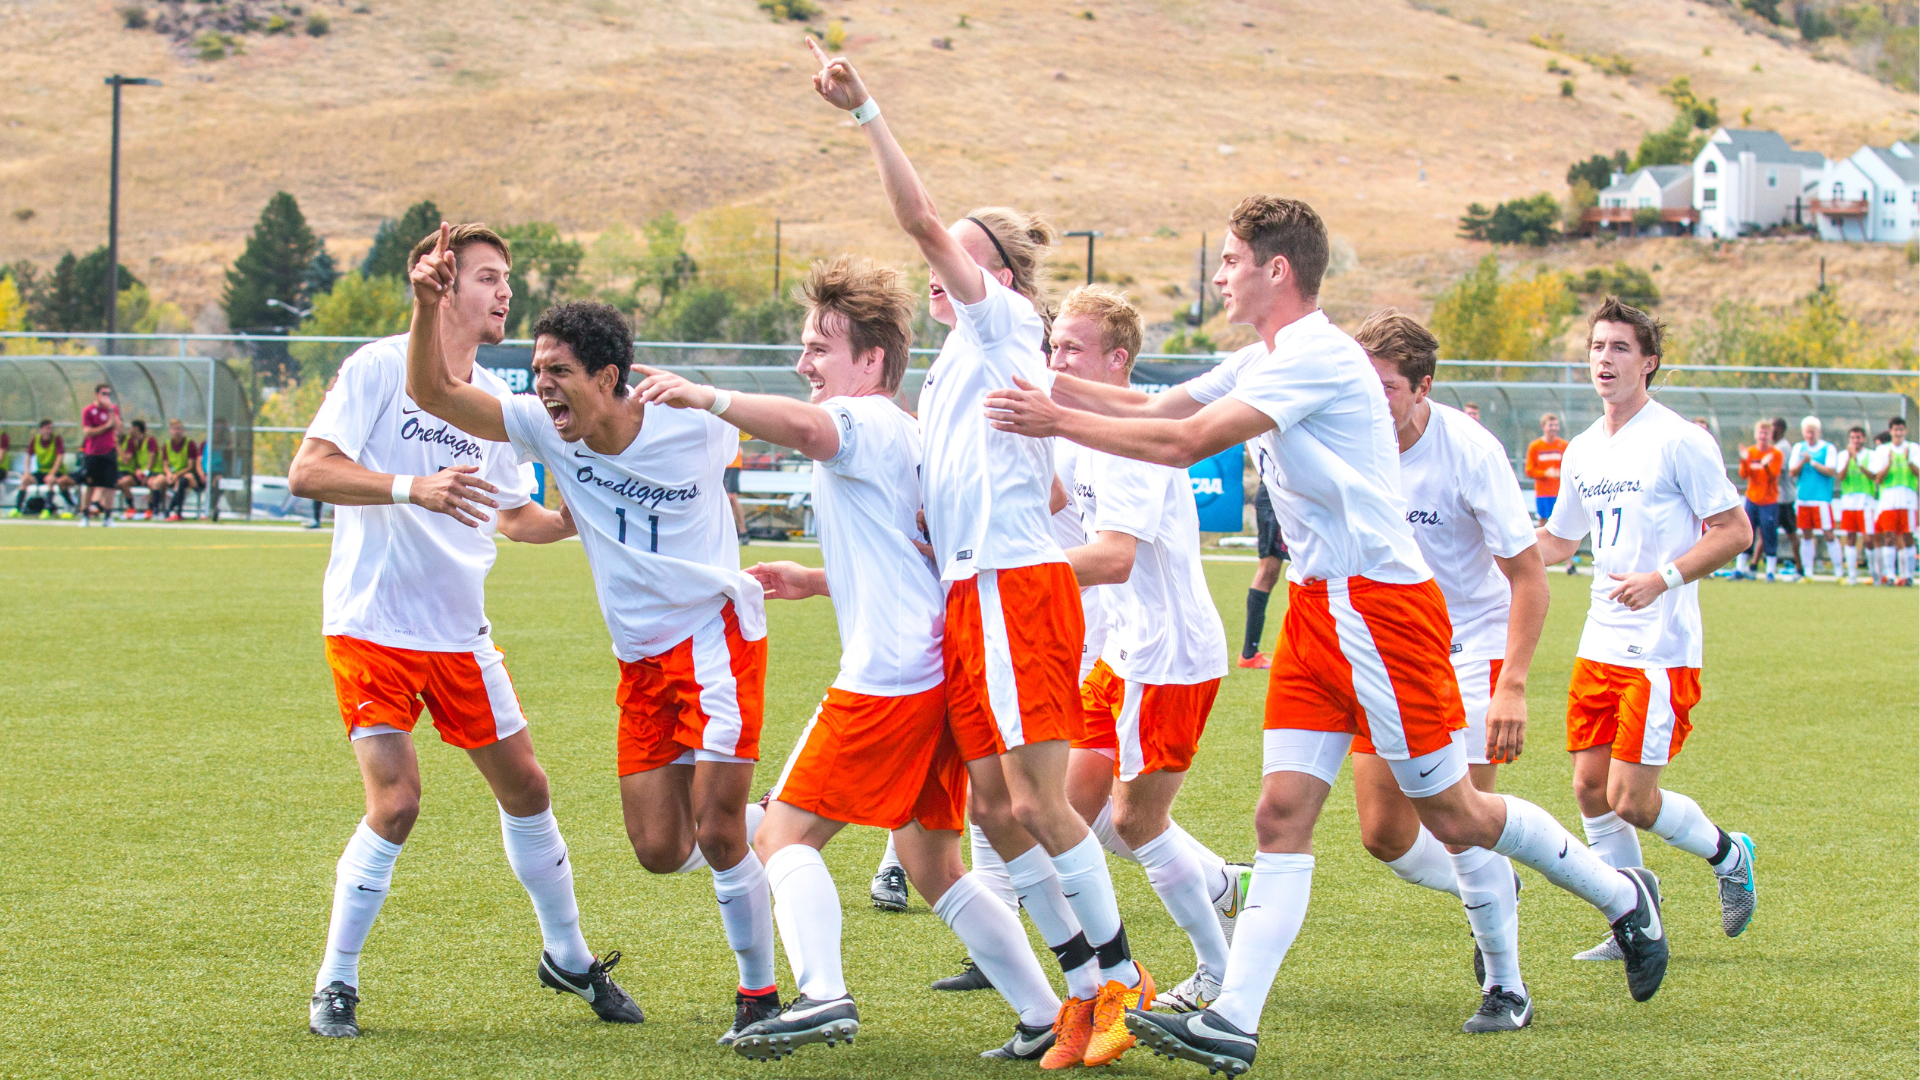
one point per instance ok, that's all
(1811, 465)
(643, 487)
(1013, 607)
(1472, 527)
(405, 624)
(1365, 644)
(878, 750)
(1160, 658)
(1650, 490)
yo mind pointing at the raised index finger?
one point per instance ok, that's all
(818, 54)
(440, 245)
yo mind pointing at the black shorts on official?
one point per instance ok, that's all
(730, 483)
(102, 470)
(1272, 544)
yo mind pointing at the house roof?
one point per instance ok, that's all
(1907, 168)
(1765, 146)
(1664, 177)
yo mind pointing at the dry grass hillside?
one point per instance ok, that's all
(1147, 119)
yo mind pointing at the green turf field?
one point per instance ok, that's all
(177, 789)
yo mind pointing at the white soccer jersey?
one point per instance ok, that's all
(1893, 496)
(1465, 507)
(886, 596)
(1643, 492)
(1331, 464)
(654, 520)
(1070, 531)
(404, 576)
(1162, 626)
(987, 492)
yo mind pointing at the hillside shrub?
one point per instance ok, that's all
(318, 25)
(134, 16)
(1482, 317)
(792, 10)
(1630, 283)
(1533, 221)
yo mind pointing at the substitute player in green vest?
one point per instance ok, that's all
(180, 458)
(139, 460)
(1892, 466)
(1854, 504)
(46, 456)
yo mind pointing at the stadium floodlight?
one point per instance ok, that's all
(1090, 234)
(298, 313)
(113, 203)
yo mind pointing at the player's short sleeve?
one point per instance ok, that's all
(846, 425)
(527, 424)
(1288, 391)
(1129, 496)
(1493, 493)
(359, 395)
(1211, 386)
(1694, 459)
(1569, 519)
(997, 314)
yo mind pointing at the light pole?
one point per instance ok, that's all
(1090, 234)
(113, 204)
(298, 313)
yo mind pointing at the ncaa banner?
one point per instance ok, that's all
(1217, 490)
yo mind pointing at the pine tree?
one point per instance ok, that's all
(90, 289)
(388, 255)
(273, 267)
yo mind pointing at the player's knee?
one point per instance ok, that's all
(657, 854)
(394, 816)
(1636, 809)
(1283, 827)
(724, 840)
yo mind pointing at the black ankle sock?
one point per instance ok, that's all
(1256, 622)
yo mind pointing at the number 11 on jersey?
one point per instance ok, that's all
(653, 529)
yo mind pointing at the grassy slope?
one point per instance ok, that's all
(176, 793)
(590, 111)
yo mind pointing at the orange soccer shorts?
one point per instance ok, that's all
(1641, 712)
(1856, 521)
(469, 694)
(1893, 521)
(1012, 650)
(705, 694)
(1144, 727)
(1370, 659)
(879, 761)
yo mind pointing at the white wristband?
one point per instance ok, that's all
(722, 401)
(402, 490)
(1672, 575)
(865, 112)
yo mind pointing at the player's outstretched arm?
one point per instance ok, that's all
(321, 470)
(1109, 400)
(1106, 560)
(1507, 709)
(789, 580)
(429, 383)
(1028, 410)
(913, 208)
(1554, 549)
(784, 421)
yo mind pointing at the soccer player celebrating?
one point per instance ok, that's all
(1812, 465)
(878, 750)
(1543, 465)
(1163, 654)
(1472, 527)
(139, 458)
(1760, 465)
(1894, 470)
(1857, 504)
(1365, 644)
(643, 487)
(1013, 606)
(1651, 490)
(405, 622)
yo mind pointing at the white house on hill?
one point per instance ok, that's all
(1667, 189)
(1873, 195)
(1749, 180)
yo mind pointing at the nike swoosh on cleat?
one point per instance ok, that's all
(1201, 1027)
(1654, 931)
(794, 1014)
(1519, 1019)
(1023, 1045)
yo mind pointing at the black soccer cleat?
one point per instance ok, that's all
(602, 994)
(1027, 1044)
(331, 1013)
(1200, 1037)
(1500, 1010)
(804, 1021)
(748, 1010)
(1642, 937)
(889, 889)
(970, 977)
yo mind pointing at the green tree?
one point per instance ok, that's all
(395, 239)
(545, 269)
(357, 307)
(1677, 144)
(667, 266)
(74, 296)
(1473, 225)
(274, 266)
(1534, 221)
(1703, 115)
(691, 314)
(1466, 317)
(1597, 170)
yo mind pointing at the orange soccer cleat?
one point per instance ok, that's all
(1071, 1030)
(1257, 660)
(1110, 1035)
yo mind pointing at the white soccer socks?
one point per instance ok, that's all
(1740, 563)
(998, 944)
(889, 859)
(1684, 825)
(1102, 826)
(1533, 838)
(808, 909)
(1089, 889)
(1488, 893)
(1834, 550)
(360, 882)
(1213, 868)
(1807, 553)
(1037, 884)
(991, 869)
(1178, 879)
(538, 856)
(1616, 842)
(1276, 906)
(1427, 864)
(746, 911)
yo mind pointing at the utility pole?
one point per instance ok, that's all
(113, 204)
(1200, 291)
(1090, 234)
(776, 258)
